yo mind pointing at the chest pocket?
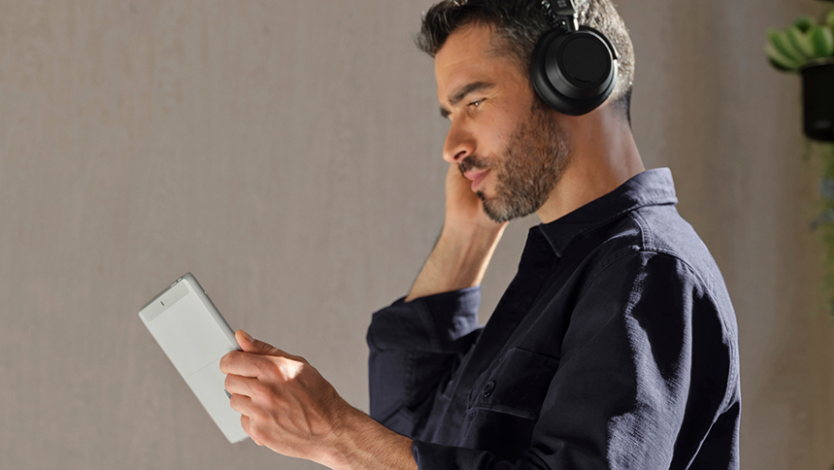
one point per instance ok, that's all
(517, 385)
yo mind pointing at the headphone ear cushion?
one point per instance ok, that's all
(574, 72)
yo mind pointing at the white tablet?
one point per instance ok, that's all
(194, 336)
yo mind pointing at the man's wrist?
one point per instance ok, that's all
(458, 261)
(362, 443)
(472, 231)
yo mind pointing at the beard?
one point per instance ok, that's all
(533, 162)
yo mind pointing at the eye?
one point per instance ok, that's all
(477, 103)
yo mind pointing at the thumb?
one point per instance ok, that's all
(250, 344)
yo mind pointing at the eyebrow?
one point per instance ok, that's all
(461, 94)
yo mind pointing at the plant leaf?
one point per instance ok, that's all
(779, 67)
(800, 41)
(830, 21)
(822, 41)
(780, 60)
(782, 44)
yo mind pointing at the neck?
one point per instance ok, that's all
(604, 156)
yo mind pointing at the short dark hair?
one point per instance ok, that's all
(520, 23)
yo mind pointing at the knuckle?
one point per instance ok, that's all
(261, 394)
(271, 368)
(267, 366)
(259, 415)
(227, 361)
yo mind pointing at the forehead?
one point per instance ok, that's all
(472, 53)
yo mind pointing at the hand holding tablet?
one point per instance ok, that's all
(251, 388)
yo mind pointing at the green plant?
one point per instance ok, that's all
(807, 42)
(804, 41)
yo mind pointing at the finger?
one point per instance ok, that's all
(245, 422)
(243, 364)
(236, 384)
(252, 345)
(242, 404)
(255, 346)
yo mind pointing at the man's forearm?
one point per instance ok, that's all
(364, 444)
(459, 260)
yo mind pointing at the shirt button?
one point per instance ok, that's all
(488, 388)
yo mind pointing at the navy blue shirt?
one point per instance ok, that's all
(614, 347)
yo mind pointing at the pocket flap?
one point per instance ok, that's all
(517, 385)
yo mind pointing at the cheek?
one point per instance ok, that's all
(500, 127)
(492, 145)
(500, 140)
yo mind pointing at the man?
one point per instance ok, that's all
(615, 346)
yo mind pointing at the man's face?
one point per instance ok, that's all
(502, 137)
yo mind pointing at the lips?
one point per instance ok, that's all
(476, 177)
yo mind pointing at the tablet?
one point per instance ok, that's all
(194, 336)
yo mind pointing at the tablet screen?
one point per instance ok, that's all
(188, 333)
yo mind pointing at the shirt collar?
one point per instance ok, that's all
(649, 188)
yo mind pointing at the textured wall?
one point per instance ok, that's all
(288, 154)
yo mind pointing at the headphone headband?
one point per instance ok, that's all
(563, 15)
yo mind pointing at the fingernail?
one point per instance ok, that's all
(246, 335)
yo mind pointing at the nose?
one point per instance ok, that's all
(460, 143)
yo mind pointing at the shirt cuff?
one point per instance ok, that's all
(431, 323)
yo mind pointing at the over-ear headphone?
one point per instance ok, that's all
(573, 68)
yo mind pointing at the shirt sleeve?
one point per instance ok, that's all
(414, 346)
(647, 368)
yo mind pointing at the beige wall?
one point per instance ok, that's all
(288, 154)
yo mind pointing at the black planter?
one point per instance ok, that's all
(818, 98)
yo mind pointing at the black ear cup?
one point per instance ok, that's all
(574, 71)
